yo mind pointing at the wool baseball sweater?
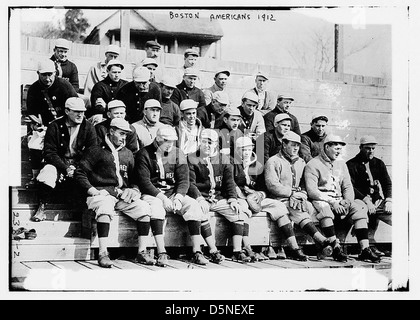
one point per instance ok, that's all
(200, 184)
(255, 174)
(283, 175)
(328, 180)
(58, 92)
(57, 139)
(70, 72)
(131, 142)
(182, 92)
(360, 178)
(148, 174)
(98, 169)
(170, 113)
(134, 99)
(107, 90)
(311, 145)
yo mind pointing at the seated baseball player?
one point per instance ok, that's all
(66, 139)
(248, 172)
(329, 186)
(283, 178)
(105, 174)
(213, 186)
(116, 109)
(163, 176)
(372, 184)
(273, 138)
(229, 131)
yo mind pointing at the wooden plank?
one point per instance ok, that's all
(69, 265)
(91, 264)
(209, 266)
(40, 265)
(238, 265)
(22, 214)
(129, 265)
(66, 229)
(18, 271)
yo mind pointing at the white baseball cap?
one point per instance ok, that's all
(141, 74)
(188, 104)
(120, 123)
(75, 104)
(242, 142)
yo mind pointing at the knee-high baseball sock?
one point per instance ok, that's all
(207, 235)
(289, 234)
(238, 231)
(310, 228)
(157, 229)
(103, 232)
(143, 228)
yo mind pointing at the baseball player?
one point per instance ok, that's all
(116, 109)
(213, 186)
(66, 139)
(372, 184)
(64, 68)
(105, 174)
(283, 178)
(313, 139)
(329, 186)
(283, 104)
(163, 176)
(189, 129)
(273, 138)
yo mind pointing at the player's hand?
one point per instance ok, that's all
(70, 171)
(129, 195)
(168, 204)
(371, 207)
(338, 208)
(236, 207)
(177, 204)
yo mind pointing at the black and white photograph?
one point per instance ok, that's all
(209, 152)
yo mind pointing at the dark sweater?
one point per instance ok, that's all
(131, 142)
(59, 92)
(134, 99)
(97, 168)
(311, 145)
(170, 113)
(147, 172)
(223, 176)
(205, 113)
(107, 90)
(70, 72)
(360, 178)
(57, 138)
(256, 175)
(182, 92)
(272, 144)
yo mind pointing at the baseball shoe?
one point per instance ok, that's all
(250, 253)
(296, 254)
(240, 256)
(104, 261)
(261, 256)
(270, 253)
(368, 256)
(324, 249)
(338, 254)
(162, 260)
(281, 254)
(376, 251)
(216, 257)
(40, 213)
(143, 257)
(199, 258)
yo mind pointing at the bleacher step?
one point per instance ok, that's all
(54, 212)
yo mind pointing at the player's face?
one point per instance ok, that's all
(246, 152)
(117, 137)
(218, 107)
(190, 61)
(260, 83)
(110, 56)
(249, 106)
(368, 150)
(118, 112)
(284, 105)
(232, 122)
(47, 78)
(333, 150)
(142, 86)
(221, 80)
(167, 91)
(190, 81)
(114, 73)
(75, 117)
(283, 127)
(152, 52)
(207, 147)
(152, 69)
(152, 114)
(291, 148)
(60, 54)
(165, 145)
(319, 127)
(190, 116)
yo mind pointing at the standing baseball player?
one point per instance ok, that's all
(329, 186)
(106, 175)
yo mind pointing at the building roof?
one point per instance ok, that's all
(160, 23)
